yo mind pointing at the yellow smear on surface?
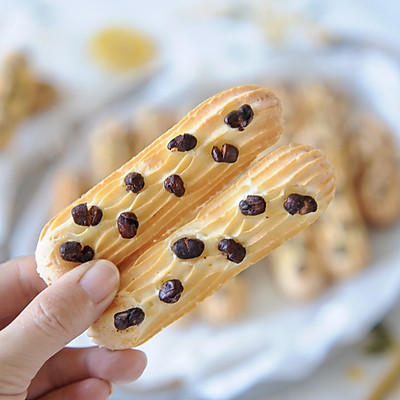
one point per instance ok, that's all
(355, 373)
(120, 49)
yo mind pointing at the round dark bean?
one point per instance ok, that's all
(80, 214)
(234, 251)
(95, 215)
(127, 225)
(227, 154)
(134, 182)
(240, 118)
(299, 204)
(73, 251)
(171, 291)
(253, 205)
(183, 142)
(131, 317)
(174, 184)
(186, 248)
(86, 255)
(86, 217)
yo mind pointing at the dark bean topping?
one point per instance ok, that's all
(80, 214)
(240, 118)
(127, 225)
(87, 254)
(171, 291)
(95, 215)
(183, 142)
(228, 153)
(298, 204)
(253, 205)
(86, 217)
(234, 250)
(134, 182)
(186, 248)
(125, 319)
(73, 251)
(174, 184)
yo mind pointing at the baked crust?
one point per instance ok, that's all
(290, 169)
(157, 210)
(183, 242)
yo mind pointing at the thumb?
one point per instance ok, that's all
(56, 316)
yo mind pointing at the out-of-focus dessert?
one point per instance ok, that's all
(363, 151)
(111, 144)
(21, 94)
(376, 169)
(67, 185)
(227, 304)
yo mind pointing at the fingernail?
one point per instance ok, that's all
(100, 280)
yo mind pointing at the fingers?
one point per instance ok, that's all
(72, 365)
(19, 284)
(83, 390)
(56, 316)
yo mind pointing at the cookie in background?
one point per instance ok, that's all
(22, 93)
(363, 150)
(376, 169)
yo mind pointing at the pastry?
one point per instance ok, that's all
(337, 245)
(16, 94)
(111, 144)
(278, 196)
(179, 221)
(376, 169)
(21, 94)
(67, 185)
(161, 188)
(296, 269)
(227, 304)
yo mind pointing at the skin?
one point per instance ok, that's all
(37, 322)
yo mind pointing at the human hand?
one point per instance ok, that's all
(33, 361)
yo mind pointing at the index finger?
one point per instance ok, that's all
(19, 284)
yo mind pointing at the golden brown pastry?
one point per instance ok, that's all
(376, 169)
(20, 94)
(111, 144)
(16, 94)
(337, 245)
(296, 268)
(227, 304)
(176, 225)
(67, 185)
(161, 188)
(278, 196)
(149, 123)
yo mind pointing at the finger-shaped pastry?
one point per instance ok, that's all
(336, 246)
(111, 144)
(16, 94)
(376, 166)
(340, 236)
(278, 196)
(296, 268)
(341, 239)
(67, 185)
(161, 188)
(227, 304)
(151, 122)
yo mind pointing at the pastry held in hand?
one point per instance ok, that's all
(161, 188)
(278, 196)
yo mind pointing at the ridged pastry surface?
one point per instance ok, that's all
(291, 169)
(158, 211)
